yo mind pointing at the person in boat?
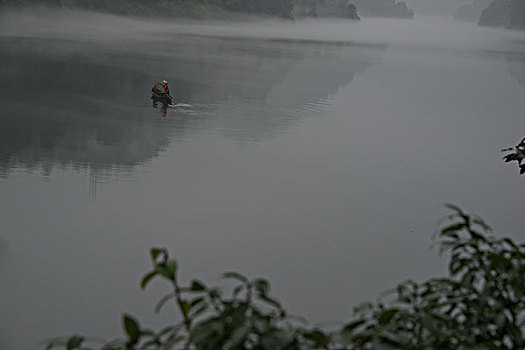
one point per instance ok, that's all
(160, 92)
(157, 89)
(166, 88)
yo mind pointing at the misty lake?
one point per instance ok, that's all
(315, 153)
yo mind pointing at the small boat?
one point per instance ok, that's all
(161, 98)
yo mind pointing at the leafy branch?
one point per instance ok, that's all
(517, 155)
(479, 305)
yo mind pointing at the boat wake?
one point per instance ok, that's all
(180, 105)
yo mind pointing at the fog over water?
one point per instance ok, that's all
(433, 7)
(316, 153)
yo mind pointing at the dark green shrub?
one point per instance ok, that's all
(517, 155)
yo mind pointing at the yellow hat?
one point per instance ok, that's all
(164, 82)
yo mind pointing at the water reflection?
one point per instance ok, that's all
(86, 105)
(514, 55)
(517, 67)
(65, 109)
(4, 251)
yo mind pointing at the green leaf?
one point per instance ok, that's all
(318, 337)
(132, 328)
(204, 331)
(477, 236)
(172, 341)
(516, 336)
(391, 341)
(261, 285)
(270, 300)
(237, 290)
(169, 329)
(163, 301)
(147, 332)
(171, 265)
(352, 325)
(386, 316)
(499, 261)
(185, 307)
(428, 322)
(468, 279)
(510, 242)
(196, 312)
(236, 276)
(155, 252)
(74, 342)
(196, 302)
(214, 293)
(145, 280)
(458, 265)
(482, 223)
(454, 208)
(161, 269)
(500, 320)
(238, 337)
(453, 228)
(197, 286)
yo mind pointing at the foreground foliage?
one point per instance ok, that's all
(517, 154)
(480, 305)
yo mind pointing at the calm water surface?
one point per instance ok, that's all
(317, 154)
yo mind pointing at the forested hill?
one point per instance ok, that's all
(504, 13)
(176, 8)
(218, 8)
(494, 13)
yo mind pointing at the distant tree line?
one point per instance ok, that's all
(494, 13)
(281, 8)
(205, 8)
(504, 13)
